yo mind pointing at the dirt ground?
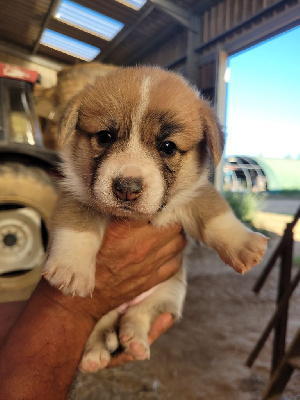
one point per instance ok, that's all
(203, 356)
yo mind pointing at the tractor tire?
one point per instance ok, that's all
(27, 198)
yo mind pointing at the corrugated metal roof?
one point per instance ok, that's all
(88, 20)
(23, 24)
(69, 45)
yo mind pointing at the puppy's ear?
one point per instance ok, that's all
(68, 121)
(213, 133)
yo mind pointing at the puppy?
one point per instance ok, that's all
(137, 144)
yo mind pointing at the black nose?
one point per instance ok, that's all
(127, 189)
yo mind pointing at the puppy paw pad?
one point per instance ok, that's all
(139, 351)
(89, 366)
(92, 362)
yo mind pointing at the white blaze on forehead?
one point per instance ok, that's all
(133, 160)
(141, 108)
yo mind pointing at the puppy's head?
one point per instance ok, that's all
(137, 140)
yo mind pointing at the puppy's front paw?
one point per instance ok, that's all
(97, 353)
(236, 245)
(70, 279)
(244, 253)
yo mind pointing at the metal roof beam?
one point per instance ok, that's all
(121, 36)
(178, 13)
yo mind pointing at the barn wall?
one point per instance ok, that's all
(169, 51)
(245, 23)
(230, 13)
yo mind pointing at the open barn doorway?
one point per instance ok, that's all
(262, 112)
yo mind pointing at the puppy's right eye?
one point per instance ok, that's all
(105, 137)
(168, 148)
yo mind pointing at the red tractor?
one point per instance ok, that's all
(27, 189)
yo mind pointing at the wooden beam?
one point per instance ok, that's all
(53, 6)
(192, 43)
(282, 375)
(280, 308)
(123, 35)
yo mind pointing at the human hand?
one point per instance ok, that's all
(134, 257)
(137, 256)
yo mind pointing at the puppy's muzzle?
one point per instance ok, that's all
(127, 189)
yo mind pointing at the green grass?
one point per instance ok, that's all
(286, 193)
(244, 204)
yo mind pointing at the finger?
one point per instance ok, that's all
(125, 236)
(162, 323)
(168, 269)
(170, 250)
(164, 235)
(165, 256)
(120, 359)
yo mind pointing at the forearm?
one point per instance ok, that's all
(40, 356)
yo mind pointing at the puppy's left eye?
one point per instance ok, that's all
(168, 148)
(105, 137)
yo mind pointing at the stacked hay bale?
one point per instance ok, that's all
(50, 103)
(71, 80)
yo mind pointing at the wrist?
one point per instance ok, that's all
(89, 309)
(45, 345)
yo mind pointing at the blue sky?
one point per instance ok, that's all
(263, 100)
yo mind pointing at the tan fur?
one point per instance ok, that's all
(118, 130)
(199, 211)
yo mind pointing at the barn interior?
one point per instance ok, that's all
(49, 49)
